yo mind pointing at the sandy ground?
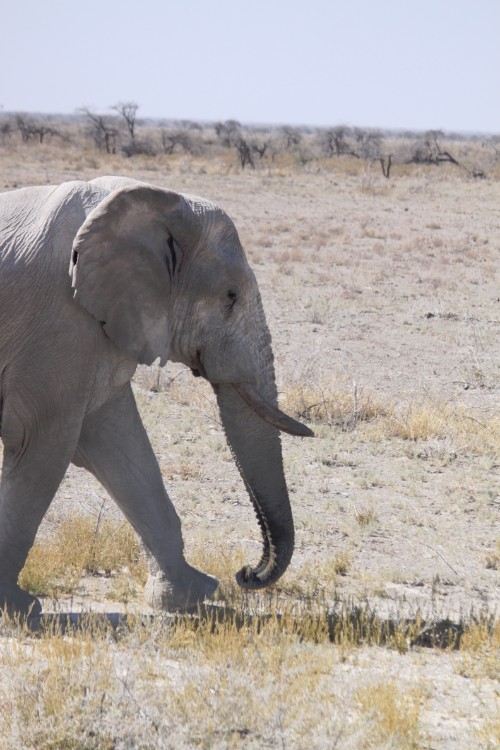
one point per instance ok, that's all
(393, 286)
(389, 287)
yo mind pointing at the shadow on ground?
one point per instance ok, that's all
(356, 625)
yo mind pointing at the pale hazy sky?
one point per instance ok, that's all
(374, 63)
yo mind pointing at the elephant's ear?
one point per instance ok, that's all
(122, 267)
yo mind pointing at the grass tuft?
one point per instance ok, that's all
(415, 421)
(393, 715)
(423, 421)
(480, 650)
(82, 546)
(325, 404)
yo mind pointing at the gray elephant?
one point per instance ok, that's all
(152, 273)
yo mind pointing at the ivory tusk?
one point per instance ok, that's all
(271, 413)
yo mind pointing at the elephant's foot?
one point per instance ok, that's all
(186, 594)
(15, 601)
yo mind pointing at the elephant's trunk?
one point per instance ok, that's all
(256, 447)
(252, 422)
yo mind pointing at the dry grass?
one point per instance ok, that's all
(82, 546)
(325, 404)
(84, 692)
(492, 559)
(416, 421)
(392, 715)
(430, 419)
(480, 650)
(273, 678)
(278, 668)
(304, 605)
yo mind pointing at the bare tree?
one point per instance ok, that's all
(363, 144)
(292, 137)
(172, 139)
(228, 132)
(144, 146)
(429, 151)
(334, 141)
(370, 147)
(41, 131)
(259, 147)
(386, 164)
(6, 130)
(104, 134)
(368, 144)
(30, 128)
(128, 110)
(245, 153)
(23, 125)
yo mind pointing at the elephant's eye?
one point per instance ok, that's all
(231, 297)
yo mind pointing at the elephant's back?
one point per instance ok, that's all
(37, 228)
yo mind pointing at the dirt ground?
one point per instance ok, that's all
(378, 289)
(387, 286)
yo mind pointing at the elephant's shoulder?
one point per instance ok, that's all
(72, 198)
(110, 182)
(21, 211)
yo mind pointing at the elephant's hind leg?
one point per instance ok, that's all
(34, 464)
(115, 448)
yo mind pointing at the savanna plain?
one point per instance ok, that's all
(383, 299)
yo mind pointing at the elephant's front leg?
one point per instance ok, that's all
(114, 446)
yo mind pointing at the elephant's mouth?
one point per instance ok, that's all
(197, 367)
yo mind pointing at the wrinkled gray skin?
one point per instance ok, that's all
(152, 273)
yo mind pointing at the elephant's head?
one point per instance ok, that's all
(167, 277)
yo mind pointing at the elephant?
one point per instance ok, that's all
(95, 278)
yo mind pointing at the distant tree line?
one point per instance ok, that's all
(29, 128)
(121, 132)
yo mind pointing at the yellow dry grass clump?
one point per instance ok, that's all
(480, 650)
(393, 715)
(324, 403)
(81, 546)
(422, 420)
